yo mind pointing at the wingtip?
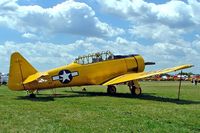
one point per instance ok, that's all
(190, 65)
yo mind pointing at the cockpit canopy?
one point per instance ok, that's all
(95, 57)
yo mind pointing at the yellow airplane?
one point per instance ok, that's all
(94, 69)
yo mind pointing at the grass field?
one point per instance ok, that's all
(157, 110)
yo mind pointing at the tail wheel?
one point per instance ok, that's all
(111, 89)
(32, 95)
(137, 91)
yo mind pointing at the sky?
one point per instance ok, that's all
(52, 33)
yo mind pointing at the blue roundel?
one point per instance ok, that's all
(65, 76)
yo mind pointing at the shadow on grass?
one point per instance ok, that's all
(37, 99)
(144, 96)
(165, 99)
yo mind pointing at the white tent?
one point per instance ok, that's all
(4, 78)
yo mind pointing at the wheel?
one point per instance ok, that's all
(136, 91)
(4, 83)
(32, 95)
(111, 89)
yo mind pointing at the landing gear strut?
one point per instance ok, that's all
(135, 88)
(111, 89)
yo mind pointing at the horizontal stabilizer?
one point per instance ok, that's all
(34, 77)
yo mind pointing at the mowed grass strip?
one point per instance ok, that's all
(157, 110)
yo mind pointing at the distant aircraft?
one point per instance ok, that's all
(102, 68)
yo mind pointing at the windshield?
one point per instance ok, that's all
(95, 57)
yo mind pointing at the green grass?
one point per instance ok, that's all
(157, 110)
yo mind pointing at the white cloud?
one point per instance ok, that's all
(161, 33)
(165, 24)
(48, 55)
(173, 19)
(31, 36)
(173, 13)
(69, 17)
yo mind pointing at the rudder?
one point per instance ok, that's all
(20, 69)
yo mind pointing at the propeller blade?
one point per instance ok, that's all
(149, 63)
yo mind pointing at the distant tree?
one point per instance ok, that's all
(185, 73)
(165, 74)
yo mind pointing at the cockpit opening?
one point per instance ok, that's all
(95, 57)
(99, 57)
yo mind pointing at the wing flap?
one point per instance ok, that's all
(34, 77)
(135, 76)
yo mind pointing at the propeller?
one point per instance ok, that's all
(149, 63)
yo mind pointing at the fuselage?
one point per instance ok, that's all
(96, 73)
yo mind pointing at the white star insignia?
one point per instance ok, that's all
(65, 76)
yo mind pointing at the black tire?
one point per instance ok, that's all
(136, 91)
(111, 89)
(4, 83)
(32, 95)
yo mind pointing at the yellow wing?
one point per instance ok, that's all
(135, 76)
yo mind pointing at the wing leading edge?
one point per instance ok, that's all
(135, 76)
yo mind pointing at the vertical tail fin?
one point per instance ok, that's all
(20, 69)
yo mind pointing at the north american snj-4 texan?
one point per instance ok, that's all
(102, 68)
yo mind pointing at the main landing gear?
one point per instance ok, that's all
(135, 88)
(111, 89)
